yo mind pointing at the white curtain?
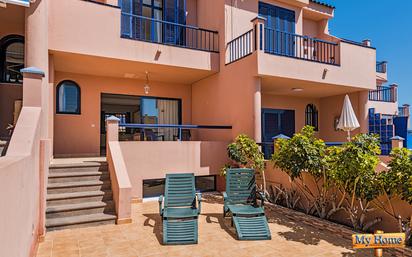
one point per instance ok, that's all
(168, 114)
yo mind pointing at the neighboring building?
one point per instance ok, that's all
(262, 68)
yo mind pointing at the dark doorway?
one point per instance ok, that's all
(275, 122)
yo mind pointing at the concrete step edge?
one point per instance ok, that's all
(78, 184)
(90, 218)
(77, 174)
(84, 194)
(77, 206)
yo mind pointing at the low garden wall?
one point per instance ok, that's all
(276, 178)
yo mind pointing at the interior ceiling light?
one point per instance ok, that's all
(297, 89)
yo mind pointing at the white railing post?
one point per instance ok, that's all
(259, 32)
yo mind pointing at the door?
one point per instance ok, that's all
(174, 14)
(276, 122)
(279, 29)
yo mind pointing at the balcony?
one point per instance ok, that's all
(320, 66)
(381, 67)
(300, 47)
(384, 94)
(162, 32)
(97, 39)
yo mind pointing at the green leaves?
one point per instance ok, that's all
(245, 152)
(353, 166)
(303, 152)
(398, 179)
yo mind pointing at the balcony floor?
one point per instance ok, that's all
(293, 234)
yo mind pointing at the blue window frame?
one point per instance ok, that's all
(279, 29)
(275, 122)
(68, 98)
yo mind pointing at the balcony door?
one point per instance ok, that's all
(279, 29)
(275, 122)
(159, 21)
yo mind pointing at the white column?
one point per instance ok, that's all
(258, 112)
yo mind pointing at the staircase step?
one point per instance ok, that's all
(78, 197)
(78, 167)
(57, 177)
(80, 221)
(77, 209)
(78, 186)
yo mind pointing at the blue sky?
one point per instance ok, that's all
(388, 25)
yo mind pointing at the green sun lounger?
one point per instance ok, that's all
(240, 200)
(178, 211)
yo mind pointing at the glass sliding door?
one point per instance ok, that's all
(154, 20)
(153, 10)
(161, 111)
(140, 110)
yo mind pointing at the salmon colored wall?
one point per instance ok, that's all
(310, 28)
(20, 178)
(357, 68)
(331, 108)
(100, 36)
(9, 93)
(291, 103)
(226, 99)
(79, 135)
(276, 177)
(11, 20)
(142, 160)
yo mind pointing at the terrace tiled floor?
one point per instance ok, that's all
(216, 238)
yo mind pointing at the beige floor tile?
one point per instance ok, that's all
(216, 239)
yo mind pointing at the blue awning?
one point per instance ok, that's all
(25, 3)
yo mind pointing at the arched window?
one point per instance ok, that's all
(11, 59)
(311, 116)
(68, 97)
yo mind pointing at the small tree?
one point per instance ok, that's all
(397, 182)
(245, 153)
(353, 168)
(305, 153)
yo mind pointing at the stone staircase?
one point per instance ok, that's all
(79, 195)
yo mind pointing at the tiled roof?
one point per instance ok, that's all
(323, 3)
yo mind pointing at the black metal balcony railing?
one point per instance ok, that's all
(381, 67)
(241, 46)
(300, 47)
(383, 94)
(168, 33)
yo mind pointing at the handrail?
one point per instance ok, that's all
(138, 125)
(381, 67)
(383, 94)
(300, 46)
(179, 127)
(241, 46)
(168, 33)
(166, 22)
(304, 36)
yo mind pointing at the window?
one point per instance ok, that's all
(311, 114)
(11, 59)
(68, 98)
(156, 187)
